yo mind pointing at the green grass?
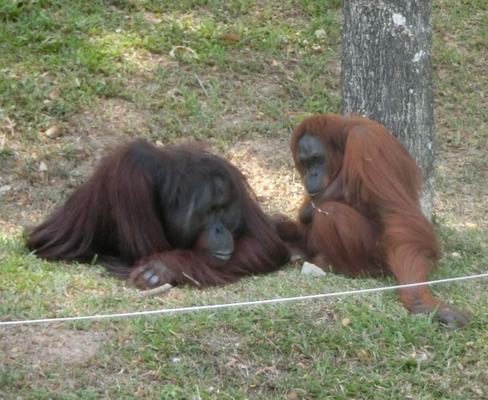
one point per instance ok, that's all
(102, 71)
(257, 352)
(89, 51)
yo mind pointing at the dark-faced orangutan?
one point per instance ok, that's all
(361, 212)
(164, 215)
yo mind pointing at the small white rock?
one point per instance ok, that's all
(320, 34)
(42, 166)
(5, 189)
(312, 269)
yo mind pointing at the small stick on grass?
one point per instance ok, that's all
(201, 85)
(152, 292)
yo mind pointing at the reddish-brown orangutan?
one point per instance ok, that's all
(361, 213)
(164, 215)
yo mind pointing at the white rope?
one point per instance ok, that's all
(239, 304)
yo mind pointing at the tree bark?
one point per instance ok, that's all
(386, 74)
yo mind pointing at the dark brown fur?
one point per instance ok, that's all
(116, 217)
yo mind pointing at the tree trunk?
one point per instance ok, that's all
(386, 74)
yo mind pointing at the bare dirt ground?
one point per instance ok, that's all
(45, 347)
(37, 180)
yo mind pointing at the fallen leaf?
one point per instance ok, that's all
(291, 395)
(183, 53)
(55, 93)
(363, 355)
(230, 37)
(54, 131)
